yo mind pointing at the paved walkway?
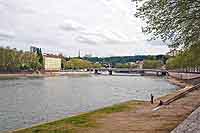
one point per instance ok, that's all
(191, 124)
(184, 75)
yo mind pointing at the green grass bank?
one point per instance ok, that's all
(82, 121)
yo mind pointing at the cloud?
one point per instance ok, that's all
(117, 5)
(99, 27)
(92, 37)
(4, 35)
(86, 40)
(4, 4)
(15, 7)
(102, 38)
(71, 25)
(157, 42)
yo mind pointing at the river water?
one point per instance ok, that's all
(28, 101)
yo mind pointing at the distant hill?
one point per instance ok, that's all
(124, 59)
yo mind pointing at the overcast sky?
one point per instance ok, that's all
(97, 27)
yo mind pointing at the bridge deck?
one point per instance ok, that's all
(131, 70)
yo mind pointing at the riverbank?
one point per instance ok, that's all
(179, 83)
(134, 116)
(40, 75)
(82, 121)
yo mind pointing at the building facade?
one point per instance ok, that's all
(52, 63)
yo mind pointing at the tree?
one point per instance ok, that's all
(96, 65)
(40, 56)
(177, 21)
(119, 65)
(152, 64)
(126, 65)
(12, 60)
(187, 60)
(77, 64)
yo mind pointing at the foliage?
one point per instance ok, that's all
(80, 64)
(96, 65)
(174, 20)
(152, 64)
(190, 58)
(13, 60)
(122, 59)
(40, 56)
(127, 65)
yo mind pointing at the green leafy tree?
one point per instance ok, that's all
(12, 60)
(96, 65)
(40, 56)
(177, 21)
(126, 65)
(80, 64)
(187, 60)
(77, 64)
(152, 64)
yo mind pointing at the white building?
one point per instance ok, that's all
(52, 62)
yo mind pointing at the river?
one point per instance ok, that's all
(28, 101)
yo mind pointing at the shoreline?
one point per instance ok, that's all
(178, 82)
(42, 75)
(109, 109)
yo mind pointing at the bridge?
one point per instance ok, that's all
(142, 72)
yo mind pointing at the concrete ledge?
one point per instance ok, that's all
(191, 124)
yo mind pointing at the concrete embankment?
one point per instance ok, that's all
(189, 78)
(191, 124)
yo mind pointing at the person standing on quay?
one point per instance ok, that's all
(152, 98)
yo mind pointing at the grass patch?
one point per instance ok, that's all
(83, 121)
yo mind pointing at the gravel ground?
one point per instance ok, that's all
(190, 125)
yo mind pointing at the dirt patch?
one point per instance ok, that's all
(144, 120)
